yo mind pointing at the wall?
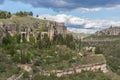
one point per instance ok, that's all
(88, 67)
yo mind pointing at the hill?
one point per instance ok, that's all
(35, 55)
(26, 50)
(78, 35)
(109, 31)
(109, 46)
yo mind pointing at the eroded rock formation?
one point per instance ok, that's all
(109, 31)
(32, 29)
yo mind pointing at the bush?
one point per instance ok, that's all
(26, 74)
(4, 14)
(24, 13)
(2, 68)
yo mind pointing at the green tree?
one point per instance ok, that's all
(98, 50)
(69, 41)
(37, 15)
(58, 39)
(31, 13)
(7, 40)
(22, 14)
(4, 14)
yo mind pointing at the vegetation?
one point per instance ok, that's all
(102, 37)
(22, 14)
(111, 51)
(81, 76)
(59, 54)
(4, 14)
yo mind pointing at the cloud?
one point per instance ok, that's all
(91, 9)
(85, 5)
(78, 24)
(88, 31)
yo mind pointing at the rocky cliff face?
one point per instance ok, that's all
(109, 31)
(7, 28)
(32, 28)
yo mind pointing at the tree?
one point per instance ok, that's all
(9, 45)
(7, 40)
(19, 13)
(22, 14)
(58, 39)
(98, 51)
(31, 13)
(37, 15)
(69, 41)
(4, 14)
(8, 15)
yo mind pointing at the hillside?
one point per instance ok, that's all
(115, 30)
(29, 50)
(24, 20)
(108, 45)
(78, 35)
(109, 34)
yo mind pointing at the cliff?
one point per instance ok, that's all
(109, 31)
(29, 25)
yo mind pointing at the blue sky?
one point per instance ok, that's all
(79, 15)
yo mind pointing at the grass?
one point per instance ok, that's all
(24, 20)
(61, 57)
(101, 37)
(112, 75)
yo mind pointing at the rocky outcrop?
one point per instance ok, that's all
(32, 29)
(7, 28)
(61, 29)
(56, 29)
(109, 31)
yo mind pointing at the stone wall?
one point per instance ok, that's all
(87, 67)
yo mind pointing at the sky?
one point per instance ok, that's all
(81, 16)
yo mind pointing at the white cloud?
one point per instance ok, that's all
(88, 25)
(88, 9)
(57, 18)
(98, 8)
(113, 7)
(88, 31)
